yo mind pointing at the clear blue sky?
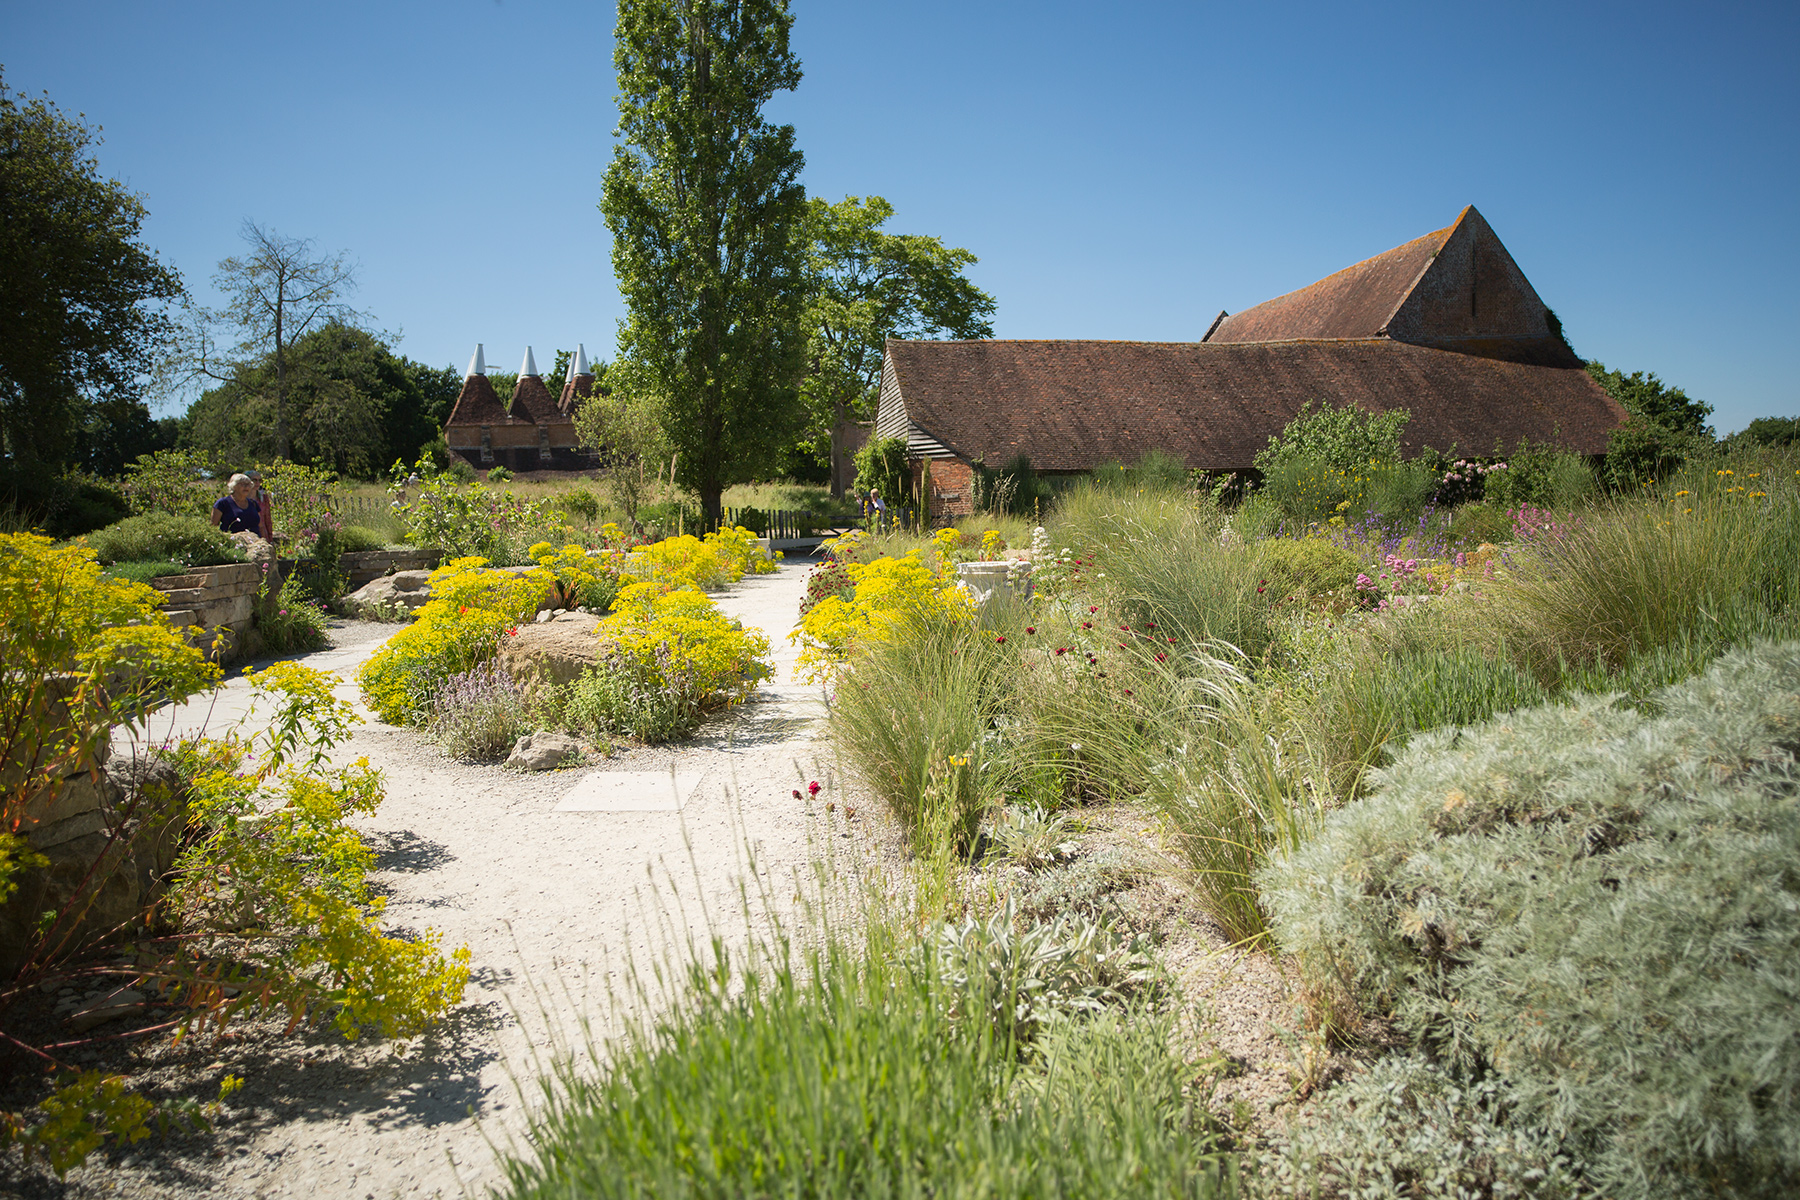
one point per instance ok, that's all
(1123, 171)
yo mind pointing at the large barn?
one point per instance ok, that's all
(532, 432)
(1445, 326)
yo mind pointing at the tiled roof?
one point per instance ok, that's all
(1073, 405)
(477, 404)
(532, 402)
(574, 390)
(1354, 303)
(1456, 289)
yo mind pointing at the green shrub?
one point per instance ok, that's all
(1540, 475)
(1311, 566)
(499, 475)
(580, 502)
(1407, 1127)
(653, 703)
(1599, 907)
(1344, 438)
(359, 539)
(479, 715)
(157, 535)
(291, 620)
(1473, 525)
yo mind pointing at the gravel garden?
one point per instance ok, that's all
(1391, 827)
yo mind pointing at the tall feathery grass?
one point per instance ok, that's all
(1695, 574)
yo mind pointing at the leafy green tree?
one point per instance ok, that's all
(629, 432)
(1647, 396)
(354, 405)
(280, 291)
(704, 201)
(1770, 431)
(81, 298)
(868, 286)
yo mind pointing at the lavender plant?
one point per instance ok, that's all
(479, 714)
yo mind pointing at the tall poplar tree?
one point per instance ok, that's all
(704, 201)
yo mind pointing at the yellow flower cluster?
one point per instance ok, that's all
(470, 610)
(888, 592)
(722, 557)
(726, 660)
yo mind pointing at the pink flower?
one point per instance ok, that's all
(812, 789)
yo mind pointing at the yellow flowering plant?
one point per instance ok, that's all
(657, 630)
(886, 592)
(470, 610)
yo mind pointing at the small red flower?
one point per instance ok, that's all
(1093, 608)
(1031, 629)
(1128, 691)
(1161, 657)
(1087, 624)
(796, 793)
(812, 789)
(1150, 625)
(1000, 640)
(1171, 641)
(1061, 650)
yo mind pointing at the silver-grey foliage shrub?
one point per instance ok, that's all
(1601, 909)
(1407, 1127)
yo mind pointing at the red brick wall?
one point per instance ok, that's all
(952, 489)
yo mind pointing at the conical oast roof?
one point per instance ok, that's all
(579, 385)
(477, 403)
(531, 400)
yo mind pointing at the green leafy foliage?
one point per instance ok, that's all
(479, 714)
(1643, 394)
(881, 464)
(1595, 905)
(1343, 438)
(190, 540)
(1408, 1127)
(858, 1072)
(866, 286)
(81, 298)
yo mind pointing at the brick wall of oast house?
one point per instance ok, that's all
(515, 446)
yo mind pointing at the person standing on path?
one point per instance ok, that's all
(239, 512)
(264, 499)
(875, 510)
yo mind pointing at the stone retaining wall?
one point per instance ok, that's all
(207, 598)
(365, 566)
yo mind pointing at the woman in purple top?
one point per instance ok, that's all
(239, 510)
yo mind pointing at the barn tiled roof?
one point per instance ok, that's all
(1073, 405)
(1354, 303)
(477, 404)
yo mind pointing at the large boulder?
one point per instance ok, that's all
(544, 752)
(402, 589)
(551, 653)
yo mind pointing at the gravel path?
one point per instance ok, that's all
(552, 880)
